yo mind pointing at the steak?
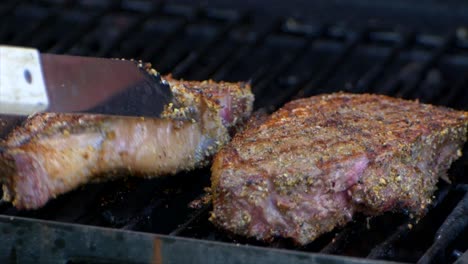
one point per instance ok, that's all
(54, 153)
(310, 166)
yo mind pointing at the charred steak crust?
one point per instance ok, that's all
(54, 153)
(311, 165)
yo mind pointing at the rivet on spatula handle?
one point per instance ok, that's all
(22, 86)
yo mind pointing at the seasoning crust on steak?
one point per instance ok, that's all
(311, 165)
(54, 153)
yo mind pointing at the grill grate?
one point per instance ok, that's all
(284, 58)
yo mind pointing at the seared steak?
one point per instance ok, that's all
(55, 153)
(311, 165)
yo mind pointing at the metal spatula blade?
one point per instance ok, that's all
(33, 82)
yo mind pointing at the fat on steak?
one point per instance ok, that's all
(54, 153)
(311, 165)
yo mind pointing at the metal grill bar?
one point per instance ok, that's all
(288, 61)
(195, 217)
(229, 58)
(184, 65)
(411, 87)
(191, 56)
(36, 36)
(5, 14)
(146, 212)
(22, 38)
(67, 42)
(245, 51)
(207, 72)
(132, 197)
(370, 78)
(343, 238)
(455, 223)
(152, 51)
(314, 83)
(386, 250)
(456, 92)
(128, 32)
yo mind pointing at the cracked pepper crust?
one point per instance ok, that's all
(54, 153)
(311, 165)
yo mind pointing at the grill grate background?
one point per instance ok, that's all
(284, 58)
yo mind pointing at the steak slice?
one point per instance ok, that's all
(311, 165)
(54, 153)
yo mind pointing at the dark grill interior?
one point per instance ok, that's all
(284, 58)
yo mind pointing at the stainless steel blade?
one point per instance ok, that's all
(104, 86)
